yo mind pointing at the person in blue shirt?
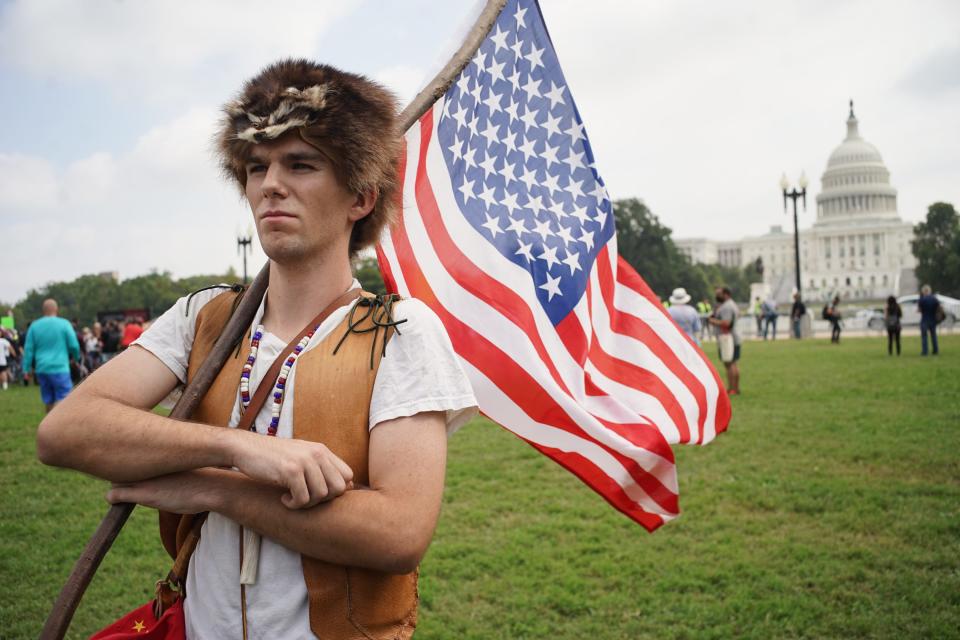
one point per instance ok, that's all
(928, 305)
(51, 344)
(684, 315)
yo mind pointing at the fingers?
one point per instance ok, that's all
(298, 495)
(317, 476)
(336, 484)
(317, 483)
(345, 471)
(308, 471)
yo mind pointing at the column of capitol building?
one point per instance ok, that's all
(858, 247)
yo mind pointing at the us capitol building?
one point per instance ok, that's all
(858, 247)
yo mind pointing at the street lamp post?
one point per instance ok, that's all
(794, 195)
(245, 244)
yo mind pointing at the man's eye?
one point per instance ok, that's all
(303, 166)
(256, 168)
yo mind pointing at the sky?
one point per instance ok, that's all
(108, 109)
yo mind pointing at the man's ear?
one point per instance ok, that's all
(363, 204)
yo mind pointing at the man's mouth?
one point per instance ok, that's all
(276, 213)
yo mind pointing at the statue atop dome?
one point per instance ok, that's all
(853, 132)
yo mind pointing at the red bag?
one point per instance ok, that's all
(142, 623)
(162, 617)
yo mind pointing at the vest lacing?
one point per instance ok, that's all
(379, 310)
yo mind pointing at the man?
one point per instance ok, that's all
(770, 317)
(833, 315)
(6, 358)
(927, 305)
(51, 345)
(728, 337)
(796, 315)
(684, 315)
(319, 530)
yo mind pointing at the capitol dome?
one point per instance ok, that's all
(856, 184)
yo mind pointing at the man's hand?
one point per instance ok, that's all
(309, 471)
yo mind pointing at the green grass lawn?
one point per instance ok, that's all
(831, 509)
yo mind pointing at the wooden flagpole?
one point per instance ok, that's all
(100, 542)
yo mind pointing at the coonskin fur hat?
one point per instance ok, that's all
(347, 116)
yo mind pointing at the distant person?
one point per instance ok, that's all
(796, 315)
(93, 347)
(705, 310)
(769, 309)
(831, 313)
(684, 315)
(728, 338)
(111, 340)
(131, 331)
(51, 344)
(758, 315)
(6, 357)
(928, 305)
(892, 315)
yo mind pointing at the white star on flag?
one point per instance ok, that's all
(552, 287)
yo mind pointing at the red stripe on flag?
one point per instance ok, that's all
(571, 333)
(386, 271)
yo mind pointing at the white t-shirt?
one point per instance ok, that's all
(5, 349)
(420, 372)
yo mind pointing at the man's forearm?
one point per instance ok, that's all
(116, 442)
(369, 528)
(363, 527)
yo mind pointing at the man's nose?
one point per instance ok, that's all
(273, 185)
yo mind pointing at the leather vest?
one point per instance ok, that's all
(331, 405)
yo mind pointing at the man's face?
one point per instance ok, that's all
(299, 206)
(720, 296)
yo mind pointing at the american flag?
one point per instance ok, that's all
(507, 233)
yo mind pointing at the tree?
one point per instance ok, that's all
(936, 245)
(646, 244)
(83, 298)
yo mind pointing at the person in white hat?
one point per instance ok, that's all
(684, 315)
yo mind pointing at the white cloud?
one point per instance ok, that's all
(27, 182)
(90, 180)
(153, 50)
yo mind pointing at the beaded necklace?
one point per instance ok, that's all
(279, 386)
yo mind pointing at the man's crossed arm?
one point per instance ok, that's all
(284, 488)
